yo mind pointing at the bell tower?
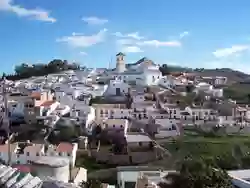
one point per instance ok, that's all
(120, 63)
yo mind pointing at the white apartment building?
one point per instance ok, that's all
(201, 113)
(112, 111)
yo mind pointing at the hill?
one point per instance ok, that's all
(24, 71)
(232, 75)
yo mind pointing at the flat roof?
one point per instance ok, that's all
(137, 168)
(51, 161)
(242, 174)
(137, 138)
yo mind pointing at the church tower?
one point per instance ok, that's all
(120, 63)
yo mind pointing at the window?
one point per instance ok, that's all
(114, 126)
(37, 154)
(17, 155)
(28, 154)
(68, 154)
(121, 126)
(60, 154)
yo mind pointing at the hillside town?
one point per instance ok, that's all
(118, 123)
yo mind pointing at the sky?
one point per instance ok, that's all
(189, 33)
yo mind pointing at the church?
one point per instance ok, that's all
(143, 72)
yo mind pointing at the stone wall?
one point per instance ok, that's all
(124, 159)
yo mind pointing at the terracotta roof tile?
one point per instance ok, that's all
(36, 95)
(4, 147)
(64, 147)
(47, 103)
(23, 168)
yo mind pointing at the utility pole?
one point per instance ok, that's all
(6, 122)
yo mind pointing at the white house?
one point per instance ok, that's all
(167, 128)
(202, 86)
(167, 82)
(117, 87)
(64, 149)
(127, 176)
(113, 124)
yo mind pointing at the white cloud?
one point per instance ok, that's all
(126, 42)
(84, 40)
(37, 14)
(76, 34)
(157, 43)
(83, 53)
(184, 34)
(131, 49)
(234, 50)
(94, 20)
(134, 35)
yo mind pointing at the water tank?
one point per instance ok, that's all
(54, 167)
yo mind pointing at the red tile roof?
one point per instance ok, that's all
(23, 168)
(36, 95)
(47, 103)
(64, 147)
(4, 147)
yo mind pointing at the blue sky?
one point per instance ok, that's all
(193, 33)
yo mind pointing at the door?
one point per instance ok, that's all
(118, 91)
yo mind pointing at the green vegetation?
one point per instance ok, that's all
(64, 134)
(90, 163)
(167, 69)
(91, 183)
(224, 151)
(26, 71)
(197, 173)
(239, 92)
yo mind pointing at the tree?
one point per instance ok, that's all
(189, 88)
(3, 75)
(196, 173)
(248, 97)
(25, 71)
(164, 70)
(91, 183)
